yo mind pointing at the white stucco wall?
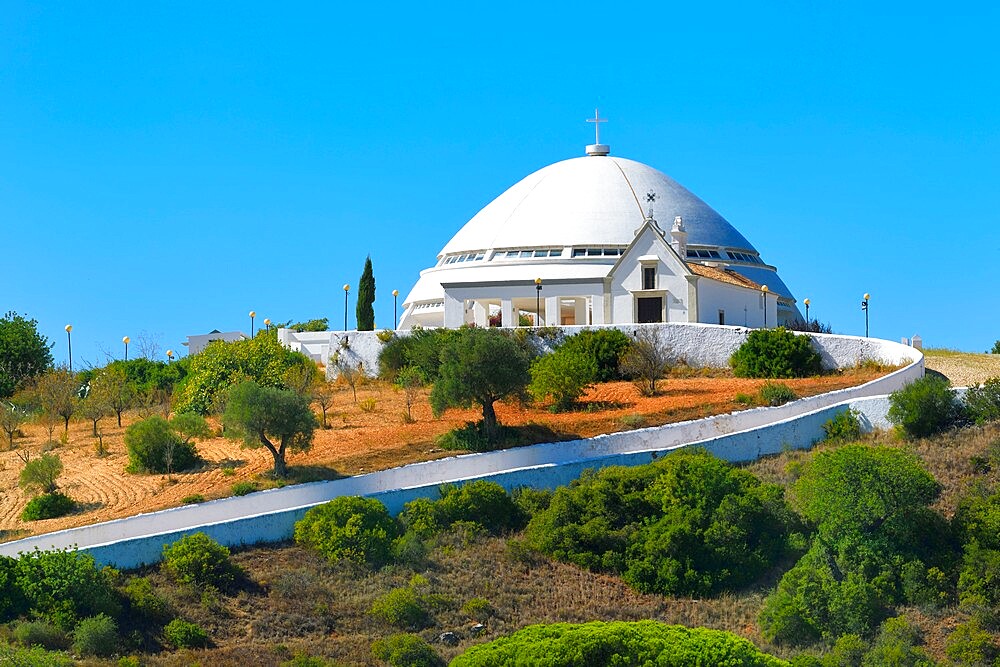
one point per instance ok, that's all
(270, 515)
(713, 296)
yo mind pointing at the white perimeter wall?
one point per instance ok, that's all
(269, 516)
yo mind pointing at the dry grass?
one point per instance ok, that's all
(962, 368)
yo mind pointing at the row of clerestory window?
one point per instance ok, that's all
(468, 257)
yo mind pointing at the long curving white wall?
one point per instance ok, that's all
(269, 516)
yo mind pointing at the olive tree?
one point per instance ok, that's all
(479, 366)
(276, 419)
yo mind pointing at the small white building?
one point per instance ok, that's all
(577, 243)
(196, 344)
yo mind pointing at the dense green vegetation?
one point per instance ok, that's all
(24, 353)
(925, 407)
(277, 419)
(365, 311)
(641, 643)
(689, 524)
(156, 445)
(222, 365)
(775, 353)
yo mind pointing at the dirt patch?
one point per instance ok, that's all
(364, 436)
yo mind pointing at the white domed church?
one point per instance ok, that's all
(579, 242)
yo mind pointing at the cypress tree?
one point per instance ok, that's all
(366, 298)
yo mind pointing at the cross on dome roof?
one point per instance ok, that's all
(597, 148)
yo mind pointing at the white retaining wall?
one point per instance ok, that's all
(269, 516)
(697, 345)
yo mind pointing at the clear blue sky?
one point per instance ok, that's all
(167, 167)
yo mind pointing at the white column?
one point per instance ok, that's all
(550, 315)
(507, 313)
(454, 311)
(598, 308)
(479, 314)
(580, 311)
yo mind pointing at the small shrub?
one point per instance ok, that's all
(776, 393)
(243, 488)
(982, 401)
(478, 609)
(153, 446)
(367, 404)
(144, 601)
(604, 346)
(632, 421)
(228, 471)
(385, 335)
(48, 506)
(531, 501)
(775, 353)
(41, 633)
(198, 559)
(970, 644)
(183, 634)
(193, 499)
(470, 438)
(563, 375)
(97, 636)
(481, 502)
(843, 427)
(402, 608)
(357, 530)
(646, 360)
(303, 660)
(409, 549)
(40, 475)
(996, 348)
(924, 407)
(745, 399)
(406, 650)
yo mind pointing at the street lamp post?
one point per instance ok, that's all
(69, 345)
(126, 340)
(395, 322)
(538, 298)
(347, 290)
(252, 315)
(763, 295)
(267, 323)
(806, 301)
(864, 307)
(170, 356)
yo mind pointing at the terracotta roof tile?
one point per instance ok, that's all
(722, 275)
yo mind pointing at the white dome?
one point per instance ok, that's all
(593, 200)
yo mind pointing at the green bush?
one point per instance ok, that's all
(996, 348)
(402, 608)
(982, 402)
(97, 636)
(421, 349)
(970, 644)
(924, 407)
(222, 365)
(531, 501)
(604, 346)
(199, 560)
(775, 353)
(478, 609)
(32, 657)
(41, 633)
(244, 488)
(482, 502)
(357, 530)
(688, 524)
(469, 438)
(563, 375)
(48, 506)
(406, 650)
(843, 427)
(616, 643)
(151, 444)
(63, 586)
(12, 600)
(39, 475)
(897, 644)
(193, 499)
(144, 601)
(776, 393)
(183, 634)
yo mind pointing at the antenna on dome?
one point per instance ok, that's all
(597, 148)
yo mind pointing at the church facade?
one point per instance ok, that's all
(578, 243)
